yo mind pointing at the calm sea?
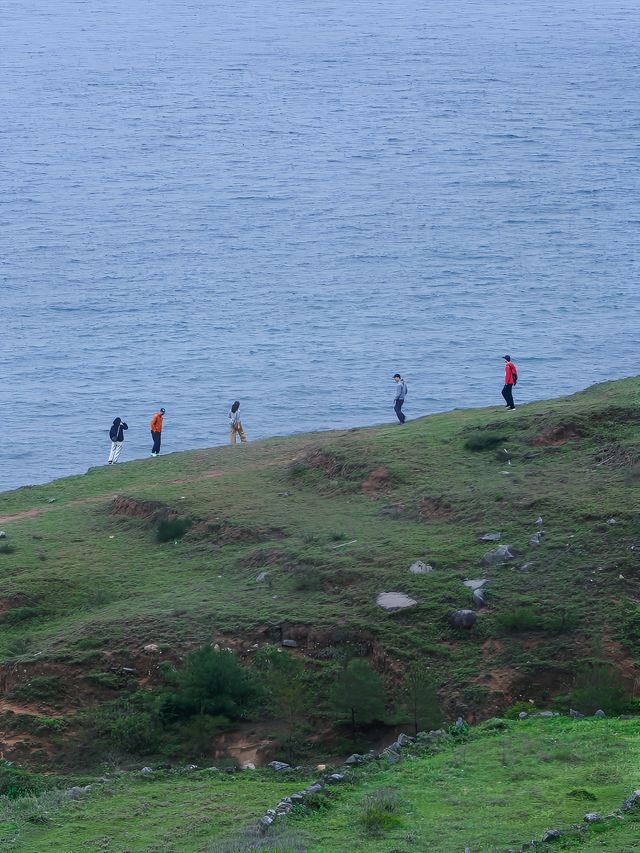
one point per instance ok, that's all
(285, 203)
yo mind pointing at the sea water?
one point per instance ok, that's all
(287, 202)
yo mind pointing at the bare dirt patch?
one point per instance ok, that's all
(378, 482)
(223, 531)
(133, 508)
(558, 435)
(20, 516)
(434, 507)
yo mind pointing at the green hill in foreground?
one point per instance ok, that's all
(494, 788)
(278, 551)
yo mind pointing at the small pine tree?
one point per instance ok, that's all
(421, 699)
(359, 694)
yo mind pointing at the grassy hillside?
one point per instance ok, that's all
(334, 519)
(503, 784)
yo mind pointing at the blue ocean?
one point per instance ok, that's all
(286, 203)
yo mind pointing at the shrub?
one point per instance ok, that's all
(359, 694)
(420, 700)
(22, 614)
(513, 712)
(210, 682)
(598, 686)
(40, 688)
(129, 725)
(172, 529)
(380, 811)
(484, 441)
(519, 619)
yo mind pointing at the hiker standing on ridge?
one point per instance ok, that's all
(510, 380)
(116, 434)
(235, 427)
(401, 393)
(156, 431)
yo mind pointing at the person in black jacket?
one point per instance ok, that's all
(116, 434)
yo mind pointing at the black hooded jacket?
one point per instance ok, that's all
(116, 433)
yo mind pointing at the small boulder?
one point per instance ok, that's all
(535, 539)
(316, 788)
(146, 770)
(593, 817)
(525, 567)
(475, 584)
(249, 765)
(551, 835)
(499, 555)
(150, 648)
(539, 521)
(463, 619)
(612, 521)
(279, 766)
(599, 713)
(265, 822)
(354, 759)
(3, 535)
(575, 715)
(631, 802)
(393, 602)
(393, 757)
(491, 537)
(420, 568)
(188, 768)
(289, 644)
(78, 791)
(522, 715)
(335, 777)
(478, 598)
(261, 577)
(404, 740)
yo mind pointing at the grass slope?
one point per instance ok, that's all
(335, 518)
(498, 788)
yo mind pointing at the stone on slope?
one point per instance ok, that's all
(535, 539)
(420, 568)
(279, 766)
(539, 521)
(478, 598)
(475, 584)
(491, 537)
(599, 713)
(499, 555)
(393, 602)
(463, 619)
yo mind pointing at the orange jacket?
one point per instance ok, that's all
(156, 422)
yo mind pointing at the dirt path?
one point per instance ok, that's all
(28, 513)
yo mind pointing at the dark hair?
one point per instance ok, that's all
(397, 376)
(235, 406)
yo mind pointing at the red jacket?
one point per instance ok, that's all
(510, 373)
(156, 422)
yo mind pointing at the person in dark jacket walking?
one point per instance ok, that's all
(235, 426)
(510, 381)
(156, 431)
(116, 434)
(401, 393)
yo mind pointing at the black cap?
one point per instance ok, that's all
(507, 357)
(162, 411)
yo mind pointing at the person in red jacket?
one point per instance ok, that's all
(156, 431)
(510, 379)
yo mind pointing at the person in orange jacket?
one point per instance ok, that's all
(510, 380)
(156, 431)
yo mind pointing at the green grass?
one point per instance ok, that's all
(85, 589)
(495, 789)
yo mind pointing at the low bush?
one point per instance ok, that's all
(519, 619)
(40, 688)
(514, 711)
(484, 441)
(172, 529)
(380, 812)
(599, 687)
(21, 614)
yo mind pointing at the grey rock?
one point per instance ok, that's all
(478, 598)
(599, 713)
(261, 577)
(551, 835)
(279, 766)
(393, 757)
(593, 817)
(78, 791)
(539, 521)
(3, 535)
(545, 715)
(146, 770)
(476, 583)
(420, 568)
(393, 602)
(522, 715)
(525, 567)
(316, 788)
(491, 537)
(249, 765)
(625, 717)
(436, 733)
(459, 723)
(631, 802)
(499, 555)
(297, 798)
(283, 809)
(265, 822)
(463, 619)
(612, 521)
(335, 777)
(404, 740)
(575, 715)
(535, 539)
(289, 644)
(354, 759)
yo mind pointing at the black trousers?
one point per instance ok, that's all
(507, 393)
(398, 408)
(157, 438)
